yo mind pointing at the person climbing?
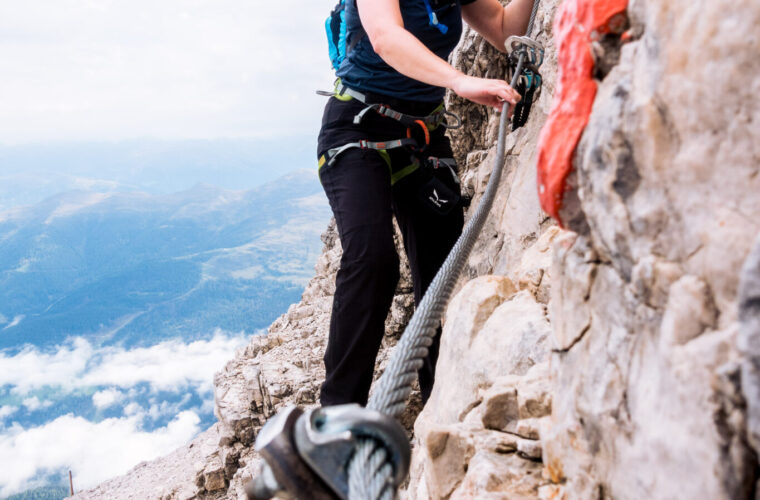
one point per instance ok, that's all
(383, 151)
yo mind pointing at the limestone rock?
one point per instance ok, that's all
(478, 435)
(501, 408)
(213, 478)
(689, 311)
(499, 477)
(647, 398)
(482, 347)
(516, 402)
(749, 341)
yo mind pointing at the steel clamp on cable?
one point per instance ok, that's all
(307, 454)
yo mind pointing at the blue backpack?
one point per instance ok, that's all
(338, 37)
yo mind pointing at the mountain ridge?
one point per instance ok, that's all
(117, 248)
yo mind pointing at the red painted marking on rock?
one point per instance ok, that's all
(578, 22)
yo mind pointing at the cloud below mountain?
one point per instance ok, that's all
(99, 448)
(93, 451)
(169, 365)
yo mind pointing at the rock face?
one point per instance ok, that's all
(617, 359)
(653, 376)
(647, 374)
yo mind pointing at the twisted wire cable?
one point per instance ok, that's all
(532, 19)
(370, 473)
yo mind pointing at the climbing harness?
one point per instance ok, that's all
(376, 463)
(434, 119)
(421, 126)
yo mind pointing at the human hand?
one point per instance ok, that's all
(485, 91)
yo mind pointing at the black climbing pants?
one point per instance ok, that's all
(358, 186)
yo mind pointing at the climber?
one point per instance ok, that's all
(383, 151)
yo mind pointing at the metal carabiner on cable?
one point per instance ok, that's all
(533, 50)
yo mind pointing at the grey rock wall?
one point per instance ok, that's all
(648, 399)
(653, 377)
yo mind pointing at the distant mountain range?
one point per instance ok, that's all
(45, 493)
(30, 173)
(135, 268)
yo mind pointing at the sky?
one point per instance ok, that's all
(138, 72)
(112, 70)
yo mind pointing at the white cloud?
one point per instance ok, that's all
(164, 366)
(3, 319)
(18, 319)
(94, 451)
(34, 403)
(170, 365)
(76, 70)
(106, 398)
(31, 368)
(164, 408)
(7, 411)
(133, 409)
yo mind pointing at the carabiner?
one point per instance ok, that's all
(425, 131)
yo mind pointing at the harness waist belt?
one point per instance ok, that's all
(434, 119)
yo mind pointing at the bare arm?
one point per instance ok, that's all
(384, 25)
(497, 23)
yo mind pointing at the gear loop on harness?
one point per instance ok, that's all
(456, 117)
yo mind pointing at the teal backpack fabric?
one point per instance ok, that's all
(338, 41)
(436, 23)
